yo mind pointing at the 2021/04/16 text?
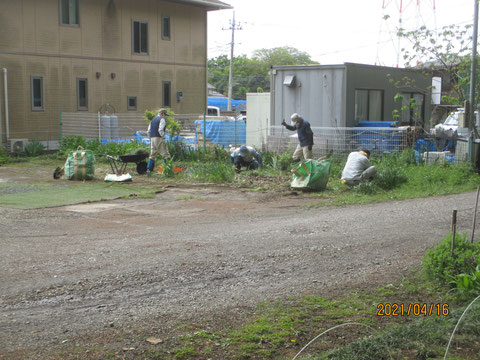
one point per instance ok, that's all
(415, 309)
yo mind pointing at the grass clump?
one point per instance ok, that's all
(34, 148)
(219, 172)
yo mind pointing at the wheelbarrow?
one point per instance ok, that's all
(119, 163)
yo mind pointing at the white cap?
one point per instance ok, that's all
(295, 117)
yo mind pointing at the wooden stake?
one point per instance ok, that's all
(454, 229)
(475, 214)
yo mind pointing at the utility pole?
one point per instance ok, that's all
(473, 74)
(473, 71)
(234, 26)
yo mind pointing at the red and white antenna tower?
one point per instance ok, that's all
(405, 14)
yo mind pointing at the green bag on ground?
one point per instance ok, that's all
(311, 175)
(80, 165)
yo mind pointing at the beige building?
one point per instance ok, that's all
(79, 55)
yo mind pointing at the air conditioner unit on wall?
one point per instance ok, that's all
(17, 145)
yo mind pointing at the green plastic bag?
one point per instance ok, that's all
(311, 175)
(80, 165)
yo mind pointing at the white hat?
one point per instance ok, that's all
(295, 117)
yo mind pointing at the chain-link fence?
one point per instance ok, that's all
(219, 130)
(199, 131)
(330, 140)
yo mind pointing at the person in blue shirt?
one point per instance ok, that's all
(156, 133)
(246, 156)
(305, 137)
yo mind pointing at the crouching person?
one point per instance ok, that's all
(246, 156)
(358, 168)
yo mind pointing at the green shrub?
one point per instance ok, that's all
(284, 161)
(173, 127)
(440, 266)
(34, 148)
(4, 158)
(70, 143)
(468, 285)
(390, 178)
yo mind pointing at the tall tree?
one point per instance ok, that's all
(252, 75)
(447, 51)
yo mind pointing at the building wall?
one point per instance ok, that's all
(318, 94)
(33, 43)
(258, 119)
(369, 77)
(325, 94)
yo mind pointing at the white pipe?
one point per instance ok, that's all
(1, 125)
(5, 85)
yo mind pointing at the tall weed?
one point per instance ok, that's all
(34, 148)
(216, 172)
(440, 266)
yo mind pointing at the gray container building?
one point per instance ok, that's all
(344, 95)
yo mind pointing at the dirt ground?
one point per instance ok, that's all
(80, 274)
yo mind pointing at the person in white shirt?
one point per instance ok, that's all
(358, 168)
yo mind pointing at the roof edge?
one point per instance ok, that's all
(209, 4)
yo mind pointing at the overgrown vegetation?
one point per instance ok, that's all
(458, 270)
(399, 176)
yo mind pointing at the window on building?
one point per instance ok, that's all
(82, 94)
(166, 85)
(37, 93)
(140, 37)
(412, 109)
(131, 102)
(166, 27)
(368, 105)
(69, 12)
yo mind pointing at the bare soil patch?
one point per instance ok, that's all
(108, 274)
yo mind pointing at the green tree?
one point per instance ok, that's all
(282, 56)
(252, 75)
(448, 51)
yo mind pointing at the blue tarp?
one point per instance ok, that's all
(378, 140)
(370, 123)
(141, 138)
(422, 145)
(222, 103)
(223, 132)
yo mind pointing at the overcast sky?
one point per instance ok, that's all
(331, 32)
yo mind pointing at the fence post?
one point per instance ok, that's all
(204, 132)
(454, 229)
(475, 214)
(235, 122)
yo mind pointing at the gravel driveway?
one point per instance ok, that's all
(196, 252)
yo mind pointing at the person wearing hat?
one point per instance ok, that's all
(358, 168)
(156, 133)
(305, 137)
(246, 156)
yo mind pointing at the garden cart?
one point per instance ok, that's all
(119, 163)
